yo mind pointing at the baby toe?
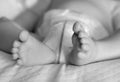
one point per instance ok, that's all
(85, 41)
(77, 27)
(15, 50)
(23, 36)
(83, 34)
(16, 44)
(15, 56)
(20, 62)
(22, 52)
(85, 47)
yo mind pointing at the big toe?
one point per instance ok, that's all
(77, 27)
(23, 36)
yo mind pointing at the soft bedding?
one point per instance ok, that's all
(10, 71)
(106, 71)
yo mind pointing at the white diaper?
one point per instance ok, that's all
(91, 26)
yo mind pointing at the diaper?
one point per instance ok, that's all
(90, 25)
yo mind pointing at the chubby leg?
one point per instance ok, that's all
(29, 51)
(84, 47)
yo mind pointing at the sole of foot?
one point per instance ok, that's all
(29, 51)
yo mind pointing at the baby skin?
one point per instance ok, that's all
(88, 48)
(84, 47)
(30, 51)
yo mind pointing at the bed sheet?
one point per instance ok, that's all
(106, 71)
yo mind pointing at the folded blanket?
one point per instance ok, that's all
(106, 71)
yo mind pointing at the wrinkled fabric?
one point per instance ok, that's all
(106, 71)
(91, 26)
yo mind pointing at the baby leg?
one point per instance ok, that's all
(29, 51)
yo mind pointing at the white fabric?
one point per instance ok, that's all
(91, 26)
(107, 71)
(10, 8)
(13, 8)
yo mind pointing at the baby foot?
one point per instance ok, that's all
(84, 48)
(29, 51)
